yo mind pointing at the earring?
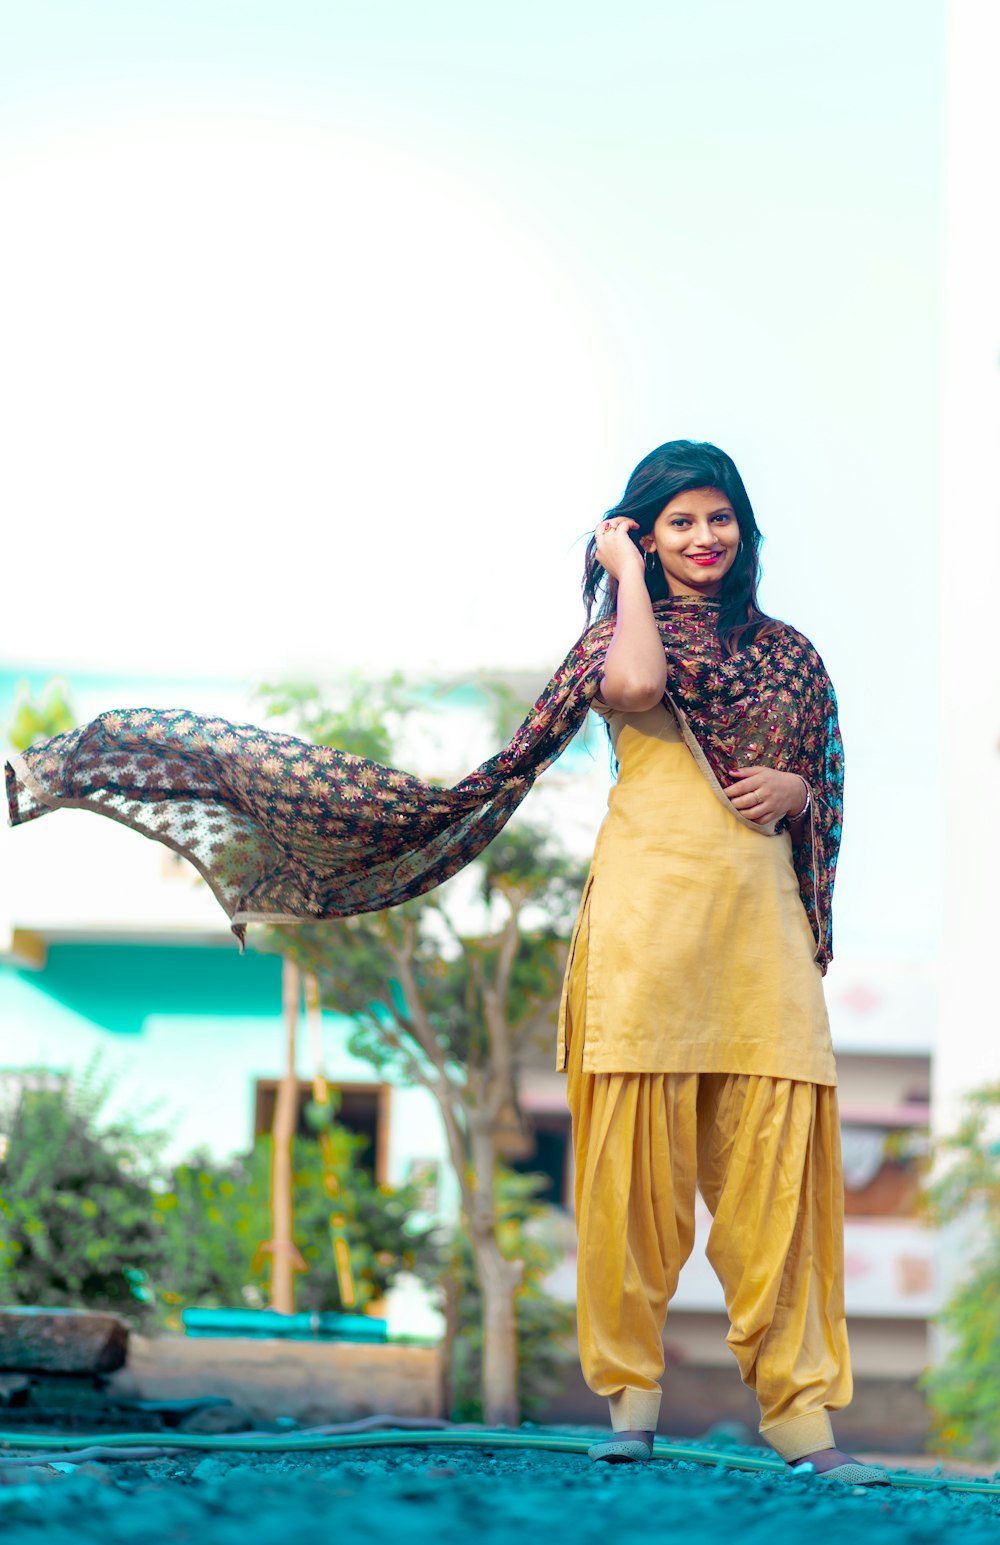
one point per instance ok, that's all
(651, 559)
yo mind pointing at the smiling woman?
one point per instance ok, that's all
(692, 1025)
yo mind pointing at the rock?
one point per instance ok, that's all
(81, 1393)
(217, 1419)
(21, 1475)
(278, 1424)
(62, 1341)
(306, 1472)
(212, 1468)
(96, 1471)
(14, 1389)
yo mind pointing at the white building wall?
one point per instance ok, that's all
(969, 563)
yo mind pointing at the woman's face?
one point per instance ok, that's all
(695, 537)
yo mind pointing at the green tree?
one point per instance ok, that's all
(962, 1389)
(364, 720)
(456, 1012)
(78, 1223)
(34, 721)
(454, 1006)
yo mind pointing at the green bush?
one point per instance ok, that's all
(216, 1216)
(78, 1220)
(962, 1389)
(91, 1218)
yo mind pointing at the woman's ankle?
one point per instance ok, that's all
(636, 1435)
(823, 1459)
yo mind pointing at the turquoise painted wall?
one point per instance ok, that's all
(183, 1030)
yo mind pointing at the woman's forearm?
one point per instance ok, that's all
(635, 670)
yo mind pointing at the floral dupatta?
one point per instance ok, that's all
(285, 831)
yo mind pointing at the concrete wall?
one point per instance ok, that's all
(312, 1381)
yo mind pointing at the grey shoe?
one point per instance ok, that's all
(851, 1474)
(621, 1451)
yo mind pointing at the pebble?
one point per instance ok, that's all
(103, 1474)
(215, 1420)
(26, 1475)
(211, 1469)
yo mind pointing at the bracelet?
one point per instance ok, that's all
(805, 807)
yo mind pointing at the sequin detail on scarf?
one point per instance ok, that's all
(283, 830)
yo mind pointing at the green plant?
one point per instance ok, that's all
(78, 1224)
(962, 1389)
(216, 1215)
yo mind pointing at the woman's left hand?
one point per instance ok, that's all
(765, 794)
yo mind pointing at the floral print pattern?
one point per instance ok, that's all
(285, 831)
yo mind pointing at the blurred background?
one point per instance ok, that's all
(329, 332)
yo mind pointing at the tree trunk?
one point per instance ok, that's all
(498, 1283)
(283, 1250)
(321, 1096)
(452, 1310)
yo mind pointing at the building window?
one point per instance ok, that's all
(361, 1108)
(549, 1155)
(883, 1167)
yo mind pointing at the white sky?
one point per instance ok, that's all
(327, 330)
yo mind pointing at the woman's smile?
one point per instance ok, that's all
(706, 559)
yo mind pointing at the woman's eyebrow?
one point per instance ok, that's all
(723, 509)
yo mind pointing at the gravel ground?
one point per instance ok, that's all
(454, 1495)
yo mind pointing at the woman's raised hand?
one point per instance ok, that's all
(765, 794)
(615, 549)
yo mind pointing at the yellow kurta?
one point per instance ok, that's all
(692, 952)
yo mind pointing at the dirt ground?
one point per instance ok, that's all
(459, 1495)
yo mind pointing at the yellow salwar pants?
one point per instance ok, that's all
(765, 1153)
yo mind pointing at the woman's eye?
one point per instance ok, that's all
(722, 515)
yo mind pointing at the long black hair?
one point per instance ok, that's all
(670, 470)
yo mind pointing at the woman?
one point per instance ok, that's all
(693, 1024)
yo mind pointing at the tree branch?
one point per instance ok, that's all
(422, 1030)
(500, 1089)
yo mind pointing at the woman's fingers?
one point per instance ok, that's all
(608, 528)
(741, 787)
(762, 793)
(615, 548)
(755, 809)
(749, 794)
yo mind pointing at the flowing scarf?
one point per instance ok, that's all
(286, 831)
